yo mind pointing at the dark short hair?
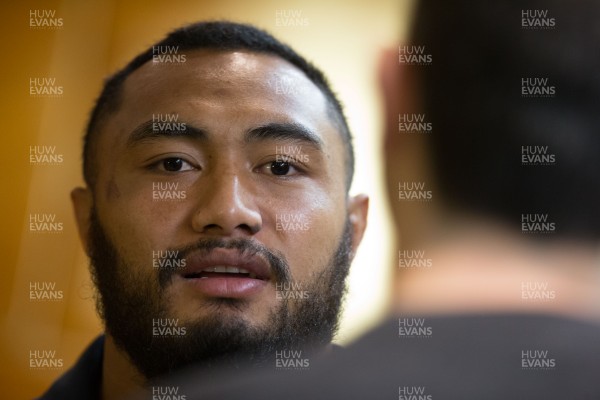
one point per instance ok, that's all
(472, 96)
(217, 35)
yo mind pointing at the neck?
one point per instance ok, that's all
(484, 269)
(119, 377)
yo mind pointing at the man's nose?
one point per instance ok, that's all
(227, 208)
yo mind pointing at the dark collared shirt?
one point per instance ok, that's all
(84, 379)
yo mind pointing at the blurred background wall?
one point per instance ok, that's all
(93, 38)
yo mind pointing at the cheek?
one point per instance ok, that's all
(309, 231)
(138, 223)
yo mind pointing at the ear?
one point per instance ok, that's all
(406, 156)
(358, 208)
(82, 201)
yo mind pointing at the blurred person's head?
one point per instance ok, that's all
(216, 214)
(511, 97)
(494, 188)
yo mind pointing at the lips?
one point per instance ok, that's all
(228, 262)
(226, 273)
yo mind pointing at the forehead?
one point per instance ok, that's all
(255, 85)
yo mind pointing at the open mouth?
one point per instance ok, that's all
(222, 272)
(226, 273)
(226, 263)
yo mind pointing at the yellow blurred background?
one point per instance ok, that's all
(342, 37)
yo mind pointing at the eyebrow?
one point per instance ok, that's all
(146, 131)
(272, 131)
(284, 131)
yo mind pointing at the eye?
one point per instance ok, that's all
(281, 168)
(174, 164)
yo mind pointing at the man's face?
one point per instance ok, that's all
(220, 203)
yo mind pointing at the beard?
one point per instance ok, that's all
(129, 302)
